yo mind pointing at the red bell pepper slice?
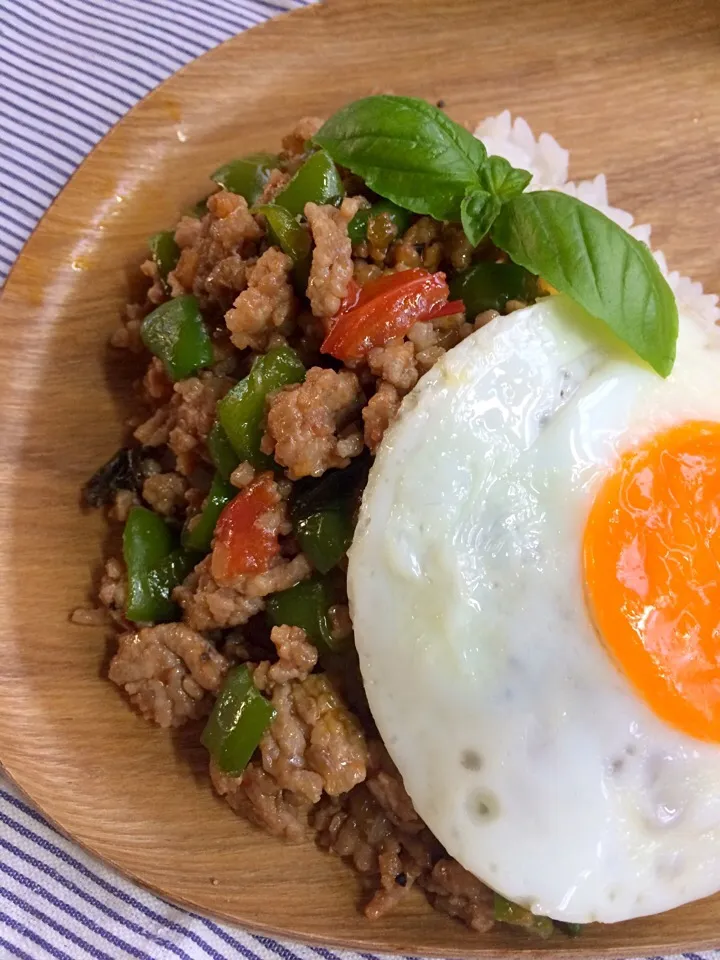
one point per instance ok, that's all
(386, 308)
(242, 545)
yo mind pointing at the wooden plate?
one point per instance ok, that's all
(632, 88)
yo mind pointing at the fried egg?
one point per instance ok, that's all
(535, 589)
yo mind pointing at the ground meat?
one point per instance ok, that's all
(112, 592)
(297, 657)
(126, 335)
(188, 231)
(283, 575)
(228, 277)
(268, 304)
(379, 413)
(303, 421)
(165, 493)
(243, 475)
(314, 744)
(395, 363)
(294, 142)
(167, 671)
(185, 421)
(332, 265)
(337, 748)
(420, 246)
(156, 384)
(208, 606)
(453, 890)
(227, 232)
(156, 294)
(123, 503)
(260, 799)
(276, 182)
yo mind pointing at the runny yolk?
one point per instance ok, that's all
(651, 554)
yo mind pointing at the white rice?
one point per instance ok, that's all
(548, 163)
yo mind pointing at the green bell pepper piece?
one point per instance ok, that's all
(508, 912)
(241, 412)
(293, 239)
(175, 333)
(323, 513)
(305, 605)
(325, 536)
(165, 252)
(489, 286)
(246, 175)
(317, 181)
(221, 451)
(571, 929)
(238, 720)
(154, 568)
(198, 533)
(357, 228)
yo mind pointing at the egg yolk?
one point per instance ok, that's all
(651, 555)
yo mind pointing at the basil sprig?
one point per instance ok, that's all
(413, 154)
(582, 253)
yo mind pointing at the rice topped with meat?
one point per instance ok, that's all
(285, 319)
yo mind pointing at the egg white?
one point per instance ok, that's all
(521, 744)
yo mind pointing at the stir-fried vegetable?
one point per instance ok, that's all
(154, 567)
(358, 226)
(293, 239)
(238, 720)
(221, 451)
(489, 286)
(323, 514)
(305, 605)
(242, 544)
(165, 252)
(123, 471)
(317, 181)
(517, 916)
(198, 532)
(387, 308)
(242, 411)
(175, 333)
(246, 176)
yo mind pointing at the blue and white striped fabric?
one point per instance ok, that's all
(68, 70)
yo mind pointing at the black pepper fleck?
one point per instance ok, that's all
(440, 104)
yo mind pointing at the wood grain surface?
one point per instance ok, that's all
(632, 88)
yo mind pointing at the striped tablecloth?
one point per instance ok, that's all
(68, 70)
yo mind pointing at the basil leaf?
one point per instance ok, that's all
(407, 151)
(582, 253)
(478, 212)
(501, 178)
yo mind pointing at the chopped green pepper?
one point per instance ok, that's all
(571, 929)
(238, 720)
(508, 912)
(293, 239)
(489, 286)
(221, 451)
(154, 568)
(305, 605)
(246, 176)
(165, 252)
(198, 533)
(317, 181)
(175, 333)
(401, 219)
(323, 513)
(242, 411)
